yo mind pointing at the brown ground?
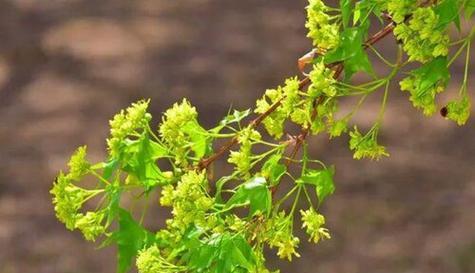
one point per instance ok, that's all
(67, 66)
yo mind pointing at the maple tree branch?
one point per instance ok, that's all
(206, 162)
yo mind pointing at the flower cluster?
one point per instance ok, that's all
(459, 111)
(322, 84)
(235, 223)
(324, 34)
(78, 165)
(291, 93)
(242, 158)
(313, 222)
(166, 198)
(338, 127)
(189, 200)
(91, 225)
(322, 81)
(125, 124)
(300, 107)
(423, 39)
(280, 236)
(172, 129)
(400, 9)
(288, 97)
(69, 198)
(150, 260)
(366, 146)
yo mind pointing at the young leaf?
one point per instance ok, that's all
(142, 154)
(351, 52)
(235, 117)
(255, 193)
(322, 180)
(362, 11)
(130, 238)
(235, 253)
(469, 8)
(433, 72)
(345, 6)
(448, 11)
(273, 170)
(113, 196)
(219, 253)
(109, 168)
(200, 141)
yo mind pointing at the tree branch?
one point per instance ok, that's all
(206, 162)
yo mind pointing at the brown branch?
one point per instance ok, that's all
(206, 162)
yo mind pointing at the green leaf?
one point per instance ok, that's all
(345, 6)
(130, 238)
(469, 8)
(351, 53)
(109, 168)
(235, 117)
(322, 180)
(448, 11)
(362, 11)
(141, 156)
(221, 253)
(113, 195)
(254, 193)
(432, 73)
(273, 170)
(201, 142)
(235, 252)
(219, 187)
(359, 62)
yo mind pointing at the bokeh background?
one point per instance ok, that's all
(66, 66)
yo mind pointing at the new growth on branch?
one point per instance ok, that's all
(223, 224)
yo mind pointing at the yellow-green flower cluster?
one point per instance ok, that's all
(91, 225)
(313, 223)
(338, 127)
(78, 165)
(322, 81)
(242, 158)
(69, 198)
(287, 247)
(459, 111)
(324, 33)
(189, 199)
(291, 93)
(421, 95)
(150, 260)
(399, 9)
(171, 129)
(422, 38)
(288, 96)
(280, 236)
(323, 84)
(366, 146)
(166, 198)
(127, 123)
(235, 223)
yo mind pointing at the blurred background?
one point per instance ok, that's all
(66, 66)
